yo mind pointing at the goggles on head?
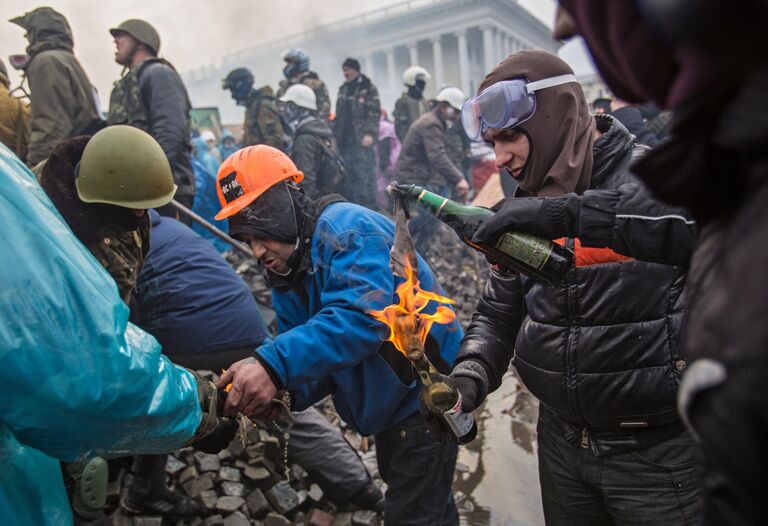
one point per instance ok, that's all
(505, 104)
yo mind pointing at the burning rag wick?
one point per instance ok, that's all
(408, 325)
(229, 385)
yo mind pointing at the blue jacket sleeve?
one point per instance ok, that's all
(354, 277)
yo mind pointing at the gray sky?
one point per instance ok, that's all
(199, 32)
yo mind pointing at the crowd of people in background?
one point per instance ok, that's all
(355, 150)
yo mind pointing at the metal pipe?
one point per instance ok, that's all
(237, 245)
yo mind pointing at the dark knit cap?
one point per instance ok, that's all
(351, 63)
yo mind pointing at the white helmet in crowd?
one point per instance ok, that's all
(453, 96)
(301, 95)
(414, 73)
(207, 136)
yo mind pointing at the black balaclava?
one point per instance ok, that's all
(293, 114)
(284, 214)
(417, 89)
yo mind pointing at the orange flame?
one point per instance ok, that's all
(229, 385)
(405, 318)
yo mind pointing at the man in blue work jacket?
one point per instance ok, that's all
(328, 264)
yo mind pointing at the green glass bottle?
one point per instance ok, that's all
(539, 258)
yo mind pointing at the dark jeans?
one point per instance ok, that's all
(418, 471)
(360, 179)
(656, 486)
(149, 476)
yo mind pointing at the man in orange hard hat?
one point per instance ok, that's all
(328, 264)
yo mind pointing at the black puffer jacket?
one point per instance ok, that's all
(601, 350)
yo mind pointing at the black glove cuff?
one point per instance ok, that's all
(477, 373)
(597, 220)
(563, 213)
(271, 372)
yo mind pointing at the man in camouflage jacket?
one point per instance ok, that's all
(152, 97)
(262, 122)
(356, 128)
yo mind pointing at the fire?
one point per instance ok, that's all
(408, 326)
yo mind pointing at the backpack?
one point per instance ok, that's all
(332, 170)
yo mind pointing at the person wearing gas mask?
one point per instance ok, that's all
(314, 147)
(601, 351)
(262, 122)
(424, 160)
(411, 105)
(296, 71)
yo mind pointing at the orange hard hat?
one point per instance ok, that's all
(248, 173)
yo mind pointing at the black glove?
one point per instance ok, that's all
(468, 389)
(214, 433)
(546, 217)
(219, 438)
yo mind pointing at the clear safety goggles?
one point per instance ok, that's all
(505, 104)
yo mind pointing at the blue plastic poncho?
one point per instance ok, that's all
(76, 379)
(207, 205)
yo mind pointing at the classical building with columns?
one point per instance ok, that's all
(457, 41)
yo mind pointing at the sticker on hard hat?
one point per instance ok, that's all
(230, 187)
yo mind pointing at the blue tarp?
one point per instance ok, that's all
(207, 205)
(76, 379)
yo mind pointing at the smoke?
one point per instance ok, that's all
(198, 33)
(194, 33)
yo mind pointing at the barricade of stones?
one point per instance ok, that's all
(247, 484)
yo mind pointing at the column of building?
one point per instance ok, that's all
(497, 45)
(437, 54)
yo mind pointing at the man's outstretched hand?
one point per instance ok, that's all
(545, 217)
(252, 389)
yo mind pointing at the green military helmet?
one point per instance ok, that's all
(235, 76)
(141, 31)
(124, 166)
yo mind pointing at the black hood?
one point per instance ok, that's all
(716, 153)
(89, 221)
(608, 148)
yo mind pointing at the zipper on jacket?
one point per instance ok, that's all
(585, 438)
(570, 244)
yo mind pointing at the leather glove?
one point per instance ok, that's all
(214, 433)
(545, 217)
(468, 389)
(219, 438)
